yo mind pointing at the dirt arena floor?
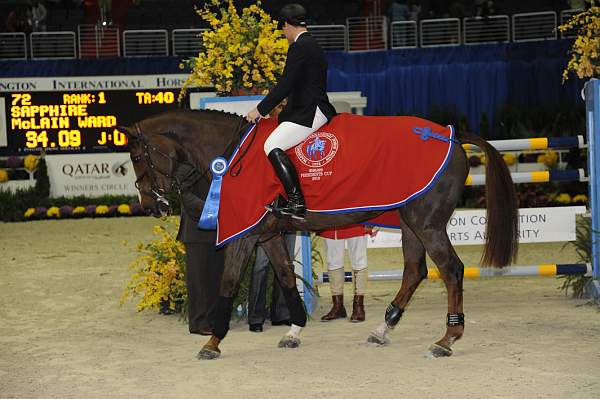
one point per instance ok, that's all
(64, 335)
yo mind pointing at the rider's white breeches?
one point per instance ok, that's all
(289, 134)
(357, 251)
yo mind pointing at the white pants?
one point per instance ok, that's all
(357, 250)
(290, 134)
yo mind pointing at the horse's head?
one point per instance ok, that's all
(154, 158)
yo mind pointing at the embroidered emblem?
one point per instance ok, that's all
(317, 150)
(426, 133)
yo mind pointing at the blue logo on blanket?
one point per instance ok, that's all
(316, 149)
(426, 133)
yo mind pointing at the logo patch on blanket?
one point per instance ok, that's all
(354, 163)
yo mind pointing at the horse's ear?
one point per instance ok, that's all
(123, 129)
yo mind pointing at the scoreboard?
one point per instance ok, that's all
(79, 115)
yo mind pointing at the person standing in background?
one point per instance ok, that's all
(355, 237)
(37, 16)
(257, 299)
(204, 263)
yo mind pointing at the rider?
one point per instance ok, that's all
(304, 83)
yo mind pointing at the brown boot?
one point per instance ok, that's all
(338, 311)
(358, 309)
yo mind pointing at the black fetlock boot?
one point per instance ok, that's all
(286, 172)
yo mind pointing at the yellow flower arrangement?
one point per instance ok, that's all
(550, 158)
(79, 210)
(563, 198)
(124, 209)
(29, 212)
(31, 162)
(580, 198)
(101, 210)
(241, 51)
(53, 212)
(3, 176)
(585, 53)
(509, 159)
(159, 272)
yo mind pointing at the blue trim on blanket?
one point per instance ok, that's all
(374, 208)
(380, 225)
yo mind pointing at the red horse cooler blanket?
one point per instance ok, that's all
(354, 163)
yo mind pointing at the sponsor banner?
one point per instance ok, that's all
(468, 227)
(91, 175)
(124, 82)
(3, 138)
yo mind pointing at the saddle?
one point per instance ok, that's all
(354, 163)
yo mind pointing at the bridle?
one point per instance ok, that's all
(157, 193)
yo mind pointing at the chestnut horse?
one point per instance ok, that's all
(160, 144)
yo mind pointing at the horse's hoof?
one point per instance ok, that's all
(436, 350)
(208, 354)
(289, 342)
(376, 339)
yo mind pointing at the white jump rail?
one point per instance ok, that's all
(483, 30)
(98, 41)
(367, 33)
(187, 41)
(440, 32)
(53, 45)
(565, 15)
(330, 37)
(13, 46)
(145, 43)
(403, 34)
(534, 26)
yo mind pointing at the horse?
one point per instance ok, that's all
(160, 144)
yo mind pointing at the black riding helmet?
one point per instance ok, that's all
(293, 14)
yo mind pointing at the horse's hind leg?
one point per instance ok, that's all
(415, 271)
(451, 271)
(236, 256)
(284, 271)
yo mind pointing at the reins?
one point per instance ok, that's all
(238, 161)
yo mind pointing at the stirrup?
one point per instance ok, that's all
(276, 205)
(298, 213)
(280, 208)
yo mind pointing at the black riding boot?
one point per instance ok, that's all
(286, 172)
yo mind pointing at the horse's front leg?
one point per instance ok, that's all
(236, 256)
(283, 267)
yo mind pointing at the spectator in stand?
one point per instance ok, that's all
(415, 11)
(484, 8)
(335, 241)
(576, 4)
(16, 21)
(37, 16)
(399, 10)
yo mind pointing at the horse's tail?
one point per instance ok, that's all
(502, 232)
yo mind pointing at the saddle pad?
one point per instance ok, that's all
(354, 163)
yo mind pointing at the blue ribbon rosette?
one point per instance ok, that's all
(208, 219)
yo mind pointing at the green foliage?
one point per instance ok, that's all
(583, 247)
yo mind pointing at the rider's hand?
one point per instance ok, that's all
(253, 116)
